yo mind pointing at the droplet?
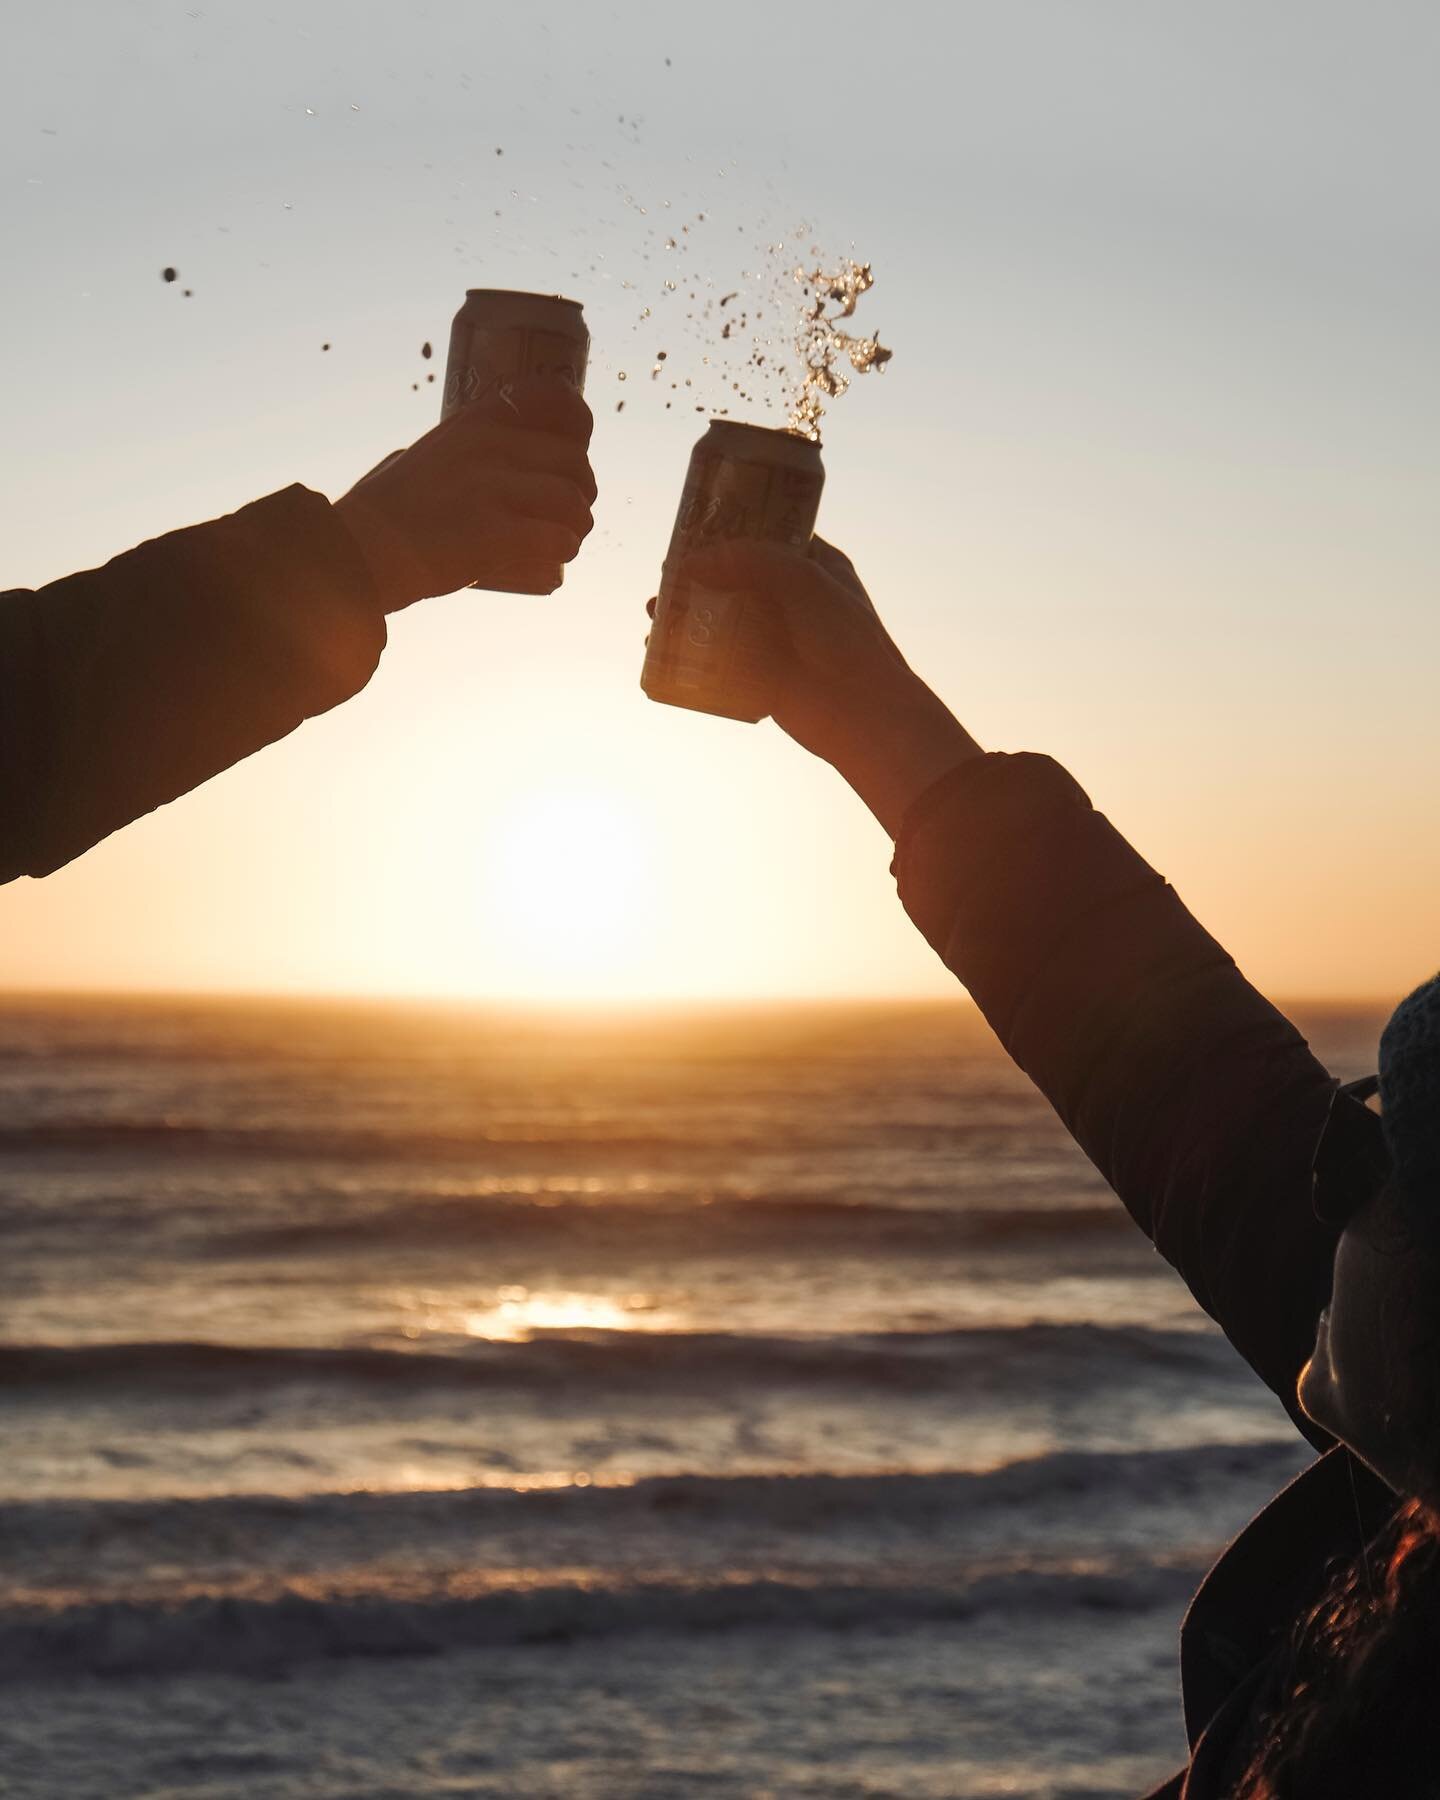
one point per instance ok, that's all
(324, 346)
(621, 376)
(427, 350)
(168, 274)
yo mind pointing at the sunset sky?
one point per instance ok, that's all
(1150, 483)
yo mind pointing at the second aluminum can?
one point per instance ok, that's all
(498, 335)
(710, 650)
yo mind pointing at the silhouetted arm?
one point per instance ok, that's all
(1197, 1100)
(125, 686)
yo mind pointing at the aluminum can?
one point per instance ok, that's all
(496, 336)
(710, 650)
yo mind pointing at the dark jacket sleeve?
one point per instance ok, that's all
(1198, 1101)
(125, 686)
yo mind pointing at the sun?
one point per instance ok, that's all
(568, 890)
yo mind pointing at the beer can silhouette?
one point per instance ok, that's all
(710, 650)
(496, 336)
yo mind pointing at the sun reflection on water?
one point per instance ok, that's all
(515, 1314)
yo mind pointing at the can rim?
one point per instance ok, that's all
(520, 294)
(784, 431)
(774, 442)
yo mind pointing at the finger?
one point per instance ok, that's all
(538, 403)
(834, 562)
(384, 463)
(786, 581)
(536, 540)
(551, 498)
(752, 566)
(540, 452)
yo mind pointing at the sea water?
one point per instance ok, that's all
(428, 1401)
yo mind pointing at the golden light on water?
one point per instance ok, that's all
(514, 1314)
(518, 1314)
(415, 1478)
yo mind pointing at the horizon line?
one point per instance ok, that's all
(579, 1003)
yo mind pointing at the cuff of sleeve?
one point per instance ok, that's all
(315, 530)
(324, 609)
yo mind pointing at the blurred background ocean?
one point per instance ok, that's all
(407, 1400)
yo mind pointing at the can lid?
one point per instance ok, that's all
(520, 294)
(768, 443)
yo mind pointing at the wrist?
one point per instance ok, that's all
(909, 739)
(394, 568)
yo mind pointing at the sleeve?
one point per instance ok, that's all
(126, 686)
(1195, 1098)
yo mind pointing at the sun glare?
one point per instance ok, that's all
(567, 882)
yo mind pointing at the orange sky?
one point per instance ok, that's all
(1149, 484)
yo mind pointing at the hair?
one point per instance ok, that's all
(1356, 1708)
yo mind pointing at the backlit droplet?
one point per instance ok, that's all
(822, 343)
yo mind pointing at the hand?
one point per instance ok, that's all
(845, 694)
(497, 496)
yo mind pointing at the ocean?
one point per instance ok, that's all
(409, 1401)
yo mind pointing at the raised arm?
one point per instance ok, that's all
(1197, 1100)
(126, 686)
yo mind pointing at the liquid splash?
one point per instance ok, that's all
(824, 347)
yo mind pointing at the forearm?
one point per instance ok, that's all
(1198, 1101)
(125, 686)
(908, 740)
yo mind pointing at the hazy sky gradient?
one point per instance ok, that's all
(1150, 483)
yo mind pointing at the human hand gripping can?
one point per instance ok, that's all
(709, 650)
(496, 337)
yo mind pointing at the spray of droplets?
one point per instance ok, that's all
(704, 263)
(824, 347)
(776, 340)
